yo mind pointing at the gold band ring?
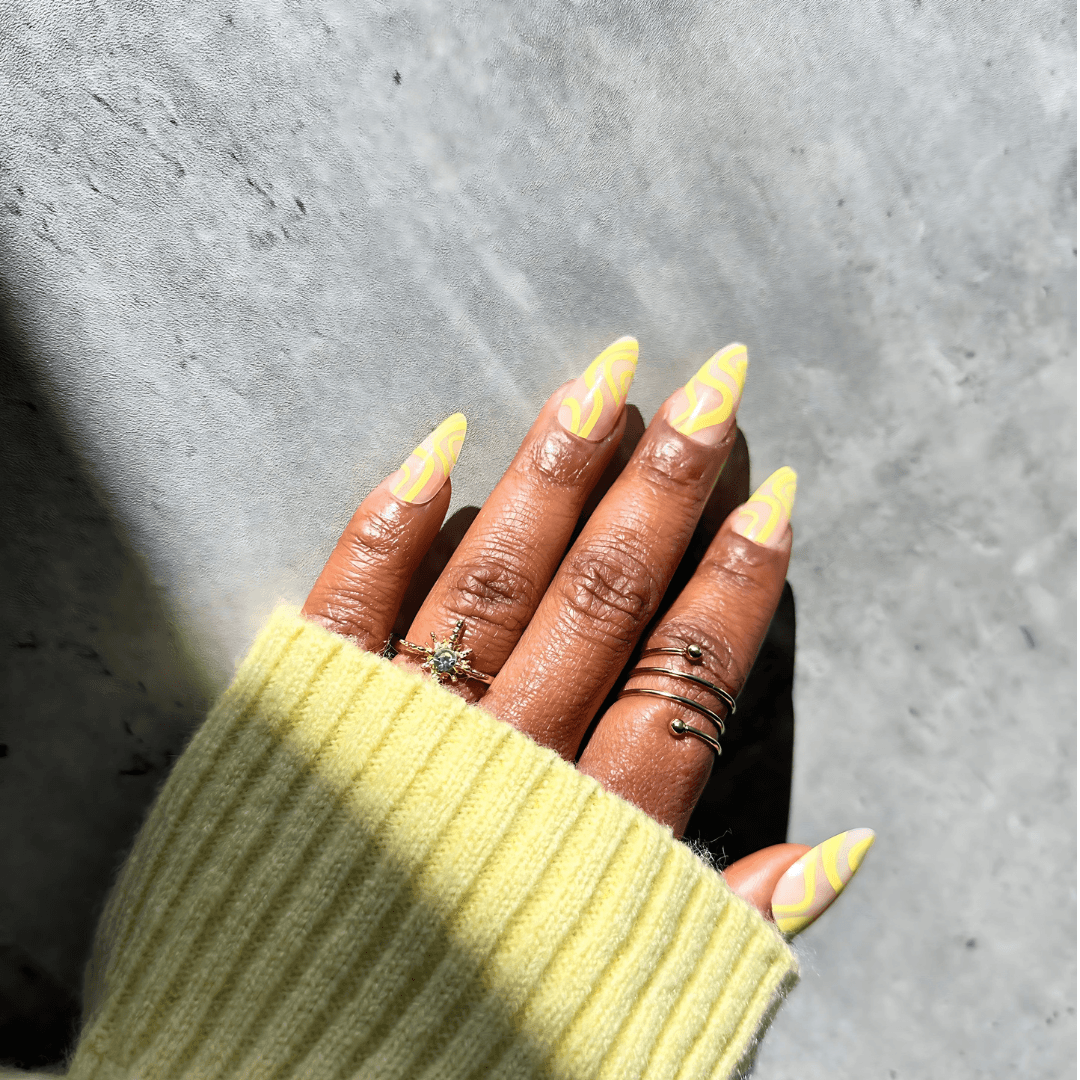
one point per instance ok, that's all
(681, 727)
(709, 715)
(696, 655)
(719, 691)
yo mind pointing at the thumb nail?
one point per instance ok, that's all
(813, 882)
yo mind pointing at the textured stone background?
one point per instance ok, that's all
(245, 269)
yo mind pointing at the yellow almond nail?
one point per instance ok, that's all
(813, 882)
(594, 402)
(764, 517)
(429, 466)
(704, 409)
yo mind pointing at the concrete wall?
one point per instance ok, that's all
(251, 254)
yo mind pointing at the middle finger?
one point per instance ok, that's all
(493, 582)
(612, 580)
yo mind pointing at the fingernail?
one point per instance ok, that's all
(764, 518)
(704, 409)
(594, 402)
(810, 885)
(429, 466)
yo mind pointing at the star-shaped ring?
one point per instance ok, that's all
(445, 659)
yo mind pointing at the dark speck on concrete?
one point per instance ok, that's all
(1028, 637)
(971, 943)
(139, 766)
(300, 202)
(263, 240)
(397, 77)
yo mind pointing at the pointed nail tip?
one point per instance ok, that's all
(861, 833)
(627, 343)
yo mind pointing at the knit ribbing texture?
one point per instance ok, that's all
(350, 873)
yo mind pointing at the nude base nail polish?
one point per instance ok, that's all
(812, 883)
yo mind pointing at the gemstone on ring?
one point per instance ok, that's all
(444, 660)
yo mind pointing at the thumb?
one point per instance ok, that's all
(793, 884)
(755, 877)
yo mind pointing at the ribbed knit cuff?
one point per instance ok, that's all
(352, 873)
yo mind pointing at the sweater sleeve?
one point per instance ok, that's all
(352, 873)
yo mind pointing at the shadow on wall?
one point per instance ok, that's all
(99, 696)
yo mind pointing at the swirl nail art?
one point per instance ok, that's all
(704, 409)
(595, 400)
(765, 516)
(810, 885)
(429, 466)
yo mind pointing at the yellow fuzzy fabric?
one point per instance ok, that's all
(352, 873)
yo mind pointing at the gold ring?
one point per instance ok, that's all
(695, 654)
(443, 659)
(709, 715)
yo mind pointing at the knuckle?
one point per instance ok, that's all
(493, 588)
(610, 588)
(665, 465)
(739, 566)
(375, 541)
(557, 461)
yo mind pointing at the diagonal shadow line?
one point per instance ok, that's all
(99, 696)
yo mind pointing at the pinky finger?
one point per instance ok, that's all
(360, 589)
(658, 753)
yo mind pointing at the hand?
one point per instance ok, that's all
(554, 628)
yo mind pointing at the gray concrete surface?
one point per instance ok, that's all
(246, 268)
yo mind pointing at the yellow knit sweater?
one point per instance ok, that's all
(352, 873)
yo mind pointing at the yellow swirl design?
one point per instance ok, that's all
(788, 915)
(712, 395)
(858, 852)
(810, 885)
(428, 466)
(765, 516)
(601, 390)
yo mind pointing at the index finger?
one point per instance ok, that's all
(360, 589)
